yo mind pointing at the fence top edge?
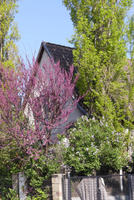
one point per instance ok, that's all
(102, 176)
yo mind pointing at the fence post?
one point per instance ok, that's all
(98, 188)
(67, 186)
(22, 186)
(131, 186)
(57, 193)
(19, 185)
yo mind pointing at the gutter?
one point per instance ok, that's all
(81, 109)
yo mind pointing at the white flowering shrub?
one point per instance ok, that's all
(94, 144)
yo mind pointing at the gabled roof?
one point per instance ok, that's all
(58, 53)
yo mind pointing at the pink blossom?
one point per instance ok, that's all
(35, 101)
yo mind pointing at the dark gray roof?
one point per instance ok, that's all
(58, 53)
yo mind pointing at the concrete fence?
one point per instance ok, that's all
(57, 189)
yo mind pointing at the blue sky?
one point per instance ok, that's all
(43, 20)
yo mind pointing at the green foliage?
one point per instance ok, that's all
(130, 43)
(5, 182)
(10, 163)
(100, 55)
(12, 195)
(39, 174)
(130, 37)
(40, 195)
(95, 144)
(8, 32)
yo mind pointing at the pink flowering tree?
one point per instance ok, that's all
(34, 103)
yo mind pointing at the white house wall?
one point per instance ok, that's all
(29, 114)
(45, 59)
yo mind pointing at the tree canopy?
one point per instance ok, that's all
(101, 40)
(95, 145)
(100, 55)
(8, 32)
(34, 103)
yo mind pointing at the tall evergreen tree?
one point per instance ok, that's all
(8, 31)
(100, 56)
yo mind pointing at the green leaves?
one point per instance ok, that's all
(94, 144)
(38, 174)
(8, 32)
(100, 56)
(12, 195)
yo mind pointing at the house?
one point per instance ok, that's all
(65, 56)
